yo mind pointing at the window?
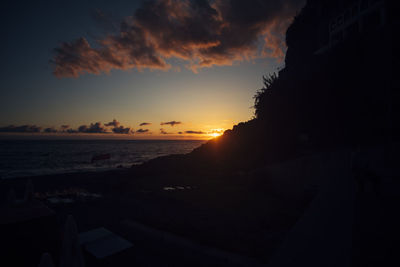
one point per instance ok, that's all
(333, 25)
(354, 11)
(364, 5)
(374, 2)
(372, 21)
(347, 16)
(340, 20)
(337, 37)
(352, 30)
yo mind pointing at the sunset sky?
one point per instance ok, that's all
(188, 69)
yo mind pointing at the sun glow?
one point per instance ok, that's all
(216, 132)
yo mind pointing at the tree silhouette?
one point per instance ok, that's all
(262, 94)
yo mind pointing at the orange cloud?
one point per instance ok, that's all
(204, 33)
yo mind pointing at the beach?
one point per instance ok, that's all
(216, 211)
(236, 218)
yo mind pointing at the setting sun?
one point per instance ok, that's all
(216, 134)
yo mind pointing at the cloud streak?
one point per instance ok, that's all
(122, 130)
(64, 127)
(141, 131)
(50, 130)
(145, 124)
(203, 33)
(97, 127)
(114, 123)
(195, 132)
(162, 131)
(93, 128)
(20, 129)
(171, 123)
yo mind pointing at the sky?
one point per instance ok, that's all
(137, 69)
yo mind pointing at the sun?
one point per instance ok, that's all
(215, 134)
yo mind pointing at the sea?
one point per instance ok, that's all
(21, 158)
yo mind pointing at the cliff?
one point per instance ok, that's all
(337, 89)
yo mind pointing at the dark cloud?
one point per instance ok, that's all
(142, 131)
(114, 123)
(202, 32)
(20, 129)
(122, 130)
(119, 129)
(83, 129)
(93, 128)
(50, 130)
(180, 132)
(172, 123)
(195, 132)
(99, 128)
(162, 131)
(126, 51)
(145, 124)
(72, 131)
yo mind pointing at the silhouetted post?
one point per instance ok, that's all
(29, 191)
(46, 261)
(388, 83)
(11, 198)
(71, 254)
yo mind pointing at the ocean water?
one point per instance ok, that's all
(20, 158)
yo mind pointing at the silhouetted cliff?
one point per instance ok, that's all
(338, 88)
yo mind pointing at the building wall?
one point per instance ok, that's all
(344, 22)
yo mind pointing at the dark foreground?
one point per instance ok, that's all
(218, 219)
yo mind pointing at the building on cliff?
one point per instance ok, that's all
(347, 20)
(346, 52)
